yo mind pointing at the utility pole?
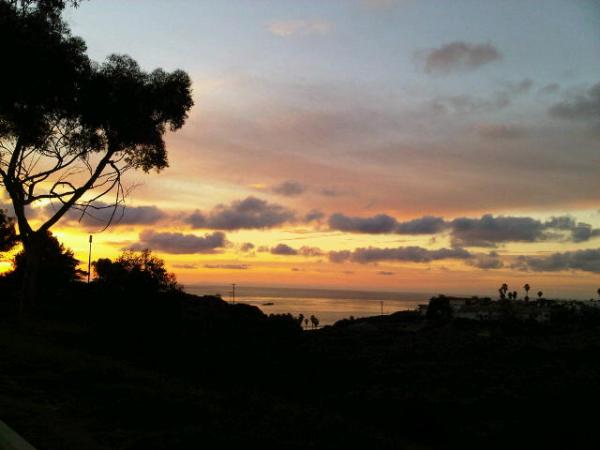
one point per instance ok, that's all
(90, 260)
(233, 293)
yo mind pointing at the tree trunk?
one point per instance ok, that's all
(33, 255)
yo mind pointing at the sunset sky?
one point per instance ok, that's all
(406, 145)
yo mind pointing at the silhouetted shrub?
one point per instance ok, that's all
(8, 235)
(140, 272)
(57, 271)
(439, 309)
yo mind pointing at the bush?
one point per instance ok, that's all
(136, 271)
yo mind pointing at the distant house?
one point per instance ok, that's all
(486, 309)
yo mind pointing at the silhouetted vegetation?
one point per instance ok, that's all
(58, 272)
(57, 267)
(439, 309)
(140, 272)
(8, 234)
(51, 125)
(132, 361)
(112, 366)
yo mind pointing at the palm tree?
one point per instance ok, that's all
(515, 295)
(526, 287)
(540, 294)
(598, 291)
(503, 289)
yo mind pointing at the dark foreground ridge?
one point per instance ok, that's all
(99, 369)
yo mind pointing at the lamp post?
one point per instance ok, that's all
(90, 260)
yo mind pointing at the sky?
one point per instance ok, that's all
(406, 145)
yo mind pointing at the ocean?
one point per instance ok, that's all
(328, 305)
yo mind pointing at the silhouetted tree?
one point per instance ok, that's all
(306, 323)
(8, 234)
(515, 295)
(439, 309)
(57, 266)
(300, 319)
(540, 294)
(69, 135)
(135, 271)
(526, 287)
(503, 290)
(314, 321)
(598, 291)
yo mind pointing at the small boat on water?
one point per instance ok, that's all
(268, 304)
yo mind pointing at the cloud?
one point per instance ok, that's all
(486, 261)
(100, 215)
(549, 89)
(340, 256)
(284, 249)
(227, 266)
(500, 131)
(519, 87)
(185, 266)
(380, 223)
(423, 225)
(460, 56)
(289, 188)
(467, 104)
(314, 216)
(584, 106)
(250, 213)
(288, 28)
(584, 260)
(583, 232)
(310, 251)
(409, 254)
(330, 192)
(383, 158)
(247, 247)
(488, 230)
(178, 243)
(485, 231)
(561, 222)
(197, 219)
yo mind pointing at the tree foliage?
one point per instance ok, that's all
(8, 235)
(71, 128)
(35, 41)
(136, 271)
(94, 120)
(439, 308)
(58, 266)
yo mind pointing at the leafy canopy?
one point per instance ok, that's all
(8, 235)
(58, 265)
(136, 271)
(70, 128)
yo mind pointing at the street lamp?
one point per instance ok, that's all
(90, 260)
